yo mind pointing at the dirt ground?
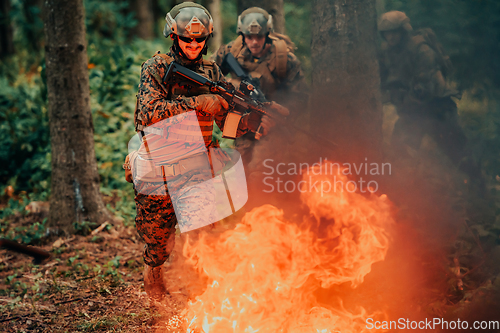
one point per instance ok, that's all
(90, 284)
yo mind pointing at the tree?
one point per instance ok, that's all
(34, 26)
(346, 104)
(75, 193)
(6, 35)
(143, 10)
(213, 7)
(273, 7)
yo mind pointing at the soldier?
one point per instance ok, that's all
(413, 68)
(268, 58)
(160, 106)
(265, 55)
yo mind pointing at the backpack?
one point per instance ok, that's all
(427, 36)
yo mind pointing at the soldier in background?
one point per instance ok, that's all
(269, 60)
(265, 55)
(413, 68)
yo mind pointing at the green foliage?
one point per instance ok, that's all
(108, 20)
(27, 19)
(114, 71)
(14, 207)
(27, 233)
(31, 234)
(299, 29)
(229, 20)
(84, 227)
(24, 134)
(480, 117)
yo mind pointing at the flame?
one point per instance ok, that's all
(264, 273)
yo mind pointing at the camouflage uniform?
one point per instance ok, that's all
(412, 80)
(281, 83)
(156, 219)
(274, 87)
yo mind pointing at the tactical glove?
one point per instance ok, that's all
(128, 169)
(255, 122)
(251, 121)
(280, 109)
(266, 123)
(209, 103)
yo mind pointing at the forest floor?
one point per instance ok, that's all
(94, 282)
(91, 283)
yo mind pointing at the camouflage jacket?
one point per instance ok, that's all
(171, 101)
(276, 88)
(410, 71)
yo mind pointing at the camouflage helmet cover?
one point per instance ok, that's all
(394, 20)
(255, 21)
(188, 19)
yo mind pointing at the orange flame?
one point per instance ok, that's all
(264, 272)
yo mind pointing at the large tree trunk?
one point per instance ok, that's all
(346, 103)
(75, 193)
(6, 35)
(143, 10)
(273, 7)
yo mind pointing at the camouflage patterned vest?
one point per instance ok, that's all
(186, 132)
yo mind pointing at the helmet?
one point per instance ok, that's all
(394, 20)
(255, 21)
(189, 19)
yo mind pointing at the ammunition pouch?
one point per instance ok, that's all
(147, 170)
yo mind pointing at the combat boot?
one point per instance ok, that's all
(154, 283)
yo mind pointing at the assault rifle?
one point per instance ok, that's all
(240, 100)
(233, 65)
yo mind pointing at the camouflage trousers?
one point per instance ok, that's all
(156, 217)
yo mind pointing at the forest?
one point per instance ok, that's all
(425, 245)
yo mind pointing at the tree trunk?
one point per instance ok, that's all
(143, 10)
(6, 34)
(159, 14)
(34, 29)
(346, 102)
(214, 9)
(380, 7)
(75, 193)
(273, 7)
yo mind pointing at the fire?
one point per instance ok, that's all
(264, 273)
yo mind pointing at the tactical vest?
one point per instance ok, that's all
(400, 64)
(185, 132)
(276, 62)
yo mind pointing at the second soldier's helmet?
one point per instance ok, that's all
(394, 20)
(255, 21)
(189, 19)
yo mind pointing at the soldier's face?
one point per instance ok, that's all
(255, 44)
(393, 37)
(192, 49)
